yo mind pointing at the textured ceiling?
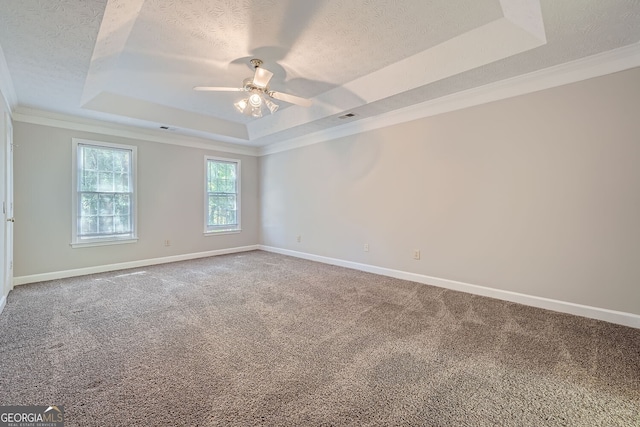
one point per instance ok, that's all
(136, 61)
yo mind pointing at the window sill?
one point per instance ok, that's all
(103, 243)
(217, 233)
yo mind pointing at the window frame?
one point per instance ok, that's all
(78, 242)
(208, 231)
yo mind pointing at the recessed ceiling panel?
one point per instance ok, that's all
(175, 45)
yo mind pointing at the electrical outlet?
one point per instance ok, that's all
(299, 238)
(416, 254)
(366, 247)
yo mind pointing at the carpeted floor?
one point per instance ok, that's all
(263, 339)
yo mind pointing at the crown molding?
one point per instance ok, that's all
(47, 118)
(613, 61)
(8, 92)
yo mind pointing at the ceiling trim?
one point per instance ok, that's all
(597, 65)
(6, 84)
(63, 121)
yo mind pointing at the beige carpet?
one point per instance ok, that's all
(263, 339)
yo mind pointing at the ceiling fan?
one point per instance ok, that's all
(260, 93)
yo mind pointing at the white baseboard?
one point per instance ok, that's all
(23, 280)
(612, 316)
(3, 302)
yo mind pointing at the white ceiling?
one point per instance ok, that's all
(135, 61)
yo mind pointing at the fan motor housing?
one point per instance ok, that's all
(248, 85)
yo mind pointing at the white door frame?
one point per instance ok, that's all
(8, 205)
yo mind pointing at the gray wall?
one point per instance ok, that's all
(538, 194)
(170, 202)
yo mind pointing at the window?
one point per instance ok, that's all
(103, 193)
(222, 195)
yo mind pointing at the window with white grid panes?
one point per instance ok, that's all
(222, 195)
(104, 192)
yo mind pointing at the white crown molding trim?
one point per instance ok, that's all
(34, 278)
(612, 316)
(597, 65)
(46, 118)
(6, 84)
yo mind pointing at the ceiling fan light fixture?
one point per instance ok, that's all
(272, 106)
(241, 105)
(256, 112)
(255, 100)
(262, 77)
(259, 93)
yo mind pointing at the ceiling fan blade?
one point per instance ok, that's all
(292, 99)
(218, 89)
(261, 77)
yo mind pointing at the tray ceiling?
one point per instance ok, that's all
(135, 61)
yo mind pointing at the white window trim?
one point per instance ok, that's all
(101, 241)
(238, 228)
